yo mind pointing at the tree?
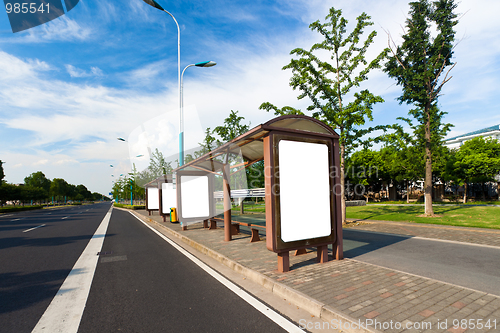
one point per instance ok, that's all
(29, 193)
(477, 161)
(59, 187)
(2, 175)
(158, 166)
(9, 192)
(38, 179)
(232, 127)
(328, 84)
(418, 65)
(82, 193)
(208, 144)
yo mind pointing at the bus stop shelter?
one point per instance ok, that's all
(302, 184)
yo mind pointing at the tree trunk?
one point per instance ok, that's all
(342, 183)
(465, 192)
(407, 191)
(428, 164)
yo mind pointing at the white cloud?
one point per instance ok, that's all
(76, 72)
(41, 162)
(61, 29)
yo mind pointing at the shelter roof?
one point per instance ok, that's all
(250, 144)
(162, 179)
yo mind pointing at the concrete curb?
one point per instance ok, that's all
(301, 300)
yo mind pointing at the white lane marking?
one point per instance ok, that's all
(17, 219)
(6, 215)
(64, 217)
(265, 310)
(43, 225)
(66, 309)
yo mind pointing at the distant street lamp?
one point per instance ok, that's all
(181, 134)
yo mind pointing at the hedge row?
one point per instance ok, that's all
(19, 208)
(134, 207)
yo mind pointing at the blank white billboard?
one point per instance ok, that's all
(168, 196)
(194, 196)
(153, 198)
(304, 190)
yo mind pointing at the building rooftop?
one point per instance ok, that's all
(484, 130)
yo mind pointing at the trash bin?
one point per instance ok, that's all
(173, 215)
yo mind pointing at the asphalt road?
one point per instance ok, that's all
(470, 266)
(143, 284)
(34, 263)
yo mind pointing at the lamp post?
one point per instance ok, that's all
(154, 4)
(181, 134)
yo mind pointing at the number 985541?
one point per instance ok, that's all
(25, 8)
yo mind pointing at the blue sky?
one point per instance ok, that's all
(108, 69)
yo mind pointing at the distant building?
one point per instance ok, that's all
(489, 132)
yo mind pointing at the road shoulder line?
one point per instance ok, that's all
(65, 311)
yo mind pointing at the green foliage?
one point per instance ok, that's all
(463, 215)
(158, 166)
(2, 174)
(59, 187)
(19, 208)
(208, 144)
(364, 167)
(255, 175)
(9, 192)
(38, 179)
(232, 127)
(327, 83)
(419, 67)
(279, 112)
(420, 61)
(477, 161)
(133, 207)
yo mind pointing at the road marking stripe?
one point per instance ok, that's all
(268, 312)
(64, 217)
(66, 309)
(43, 225)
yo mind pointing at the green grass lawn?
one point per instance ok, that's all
(466, 216)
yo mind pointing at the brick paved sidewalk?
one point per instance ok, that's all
(481, 236)
(354, 290)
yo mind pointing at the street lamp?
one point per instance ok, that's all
(154, 4)
(181, 133)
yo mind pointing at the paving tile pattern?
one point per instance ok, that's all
(362, 291)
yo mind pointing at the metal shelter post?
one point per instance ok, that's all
(226, 188)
